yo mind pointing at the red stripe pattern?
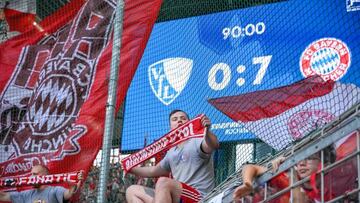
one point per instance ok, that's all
(189, 194)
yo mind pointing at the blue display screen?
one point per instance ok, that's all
(190, 60)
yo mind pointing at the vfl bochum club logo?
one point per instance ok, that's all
(168, 78)
(328, 57)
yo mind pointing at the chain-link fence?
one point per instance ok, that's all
(251, 65)
(247, 65)
(55, 57)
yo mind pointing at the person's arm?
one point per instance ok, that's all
(299, 196)
(276, 163)
(149, 171)
(5, 197)
(249, 173)
(73, 188)
(210, 142)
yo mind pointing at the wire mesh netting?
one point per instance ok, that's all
(55, 61)
(267, 74)
(249, 71)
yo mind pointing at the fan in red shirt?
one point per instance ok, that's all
(303, 169)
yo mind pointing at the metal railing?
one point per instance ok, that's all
(316, 142)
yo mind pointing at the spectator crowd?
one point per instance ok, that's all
(116, 186)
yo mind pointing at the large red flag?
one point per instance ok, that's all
(280, 116)
(54, 84)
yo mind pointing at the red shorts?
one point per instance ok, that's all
(189, 194)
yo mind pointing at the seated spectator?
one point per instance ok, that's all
(190, 163)
(41, 193)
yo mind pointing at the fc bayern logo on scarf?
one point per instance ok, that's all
(328, 57)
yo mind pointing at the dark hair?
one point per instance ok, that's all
(6, 4)
(329, 154)
(177, 110)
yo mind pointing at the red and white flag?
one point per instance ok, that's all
(19, 16)
(280, 116)
(53, 88)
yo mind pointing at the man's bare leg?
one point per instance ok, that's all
(167, 190)
(139, 194)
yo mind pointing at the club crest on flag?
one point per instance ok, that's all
(55, 80)
(54, 84)
(303, 122)
(169, 77)
(329, 58)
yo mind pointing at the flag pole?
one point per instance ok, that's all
(111, 102)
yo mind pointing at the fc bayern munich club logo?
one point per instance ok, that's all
(303, 122)
(328, 57)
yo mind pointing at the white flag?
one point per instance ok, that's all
(282, 115)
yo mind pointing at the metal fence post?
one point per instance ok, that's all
(111, 101)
